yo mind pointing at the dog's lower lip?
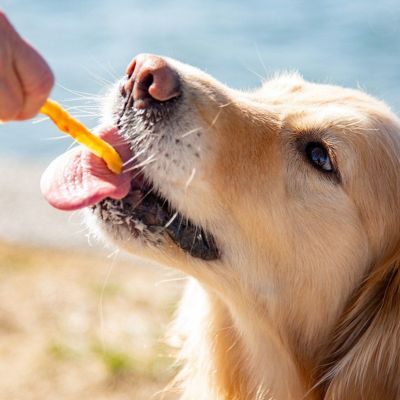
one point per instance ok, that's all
(142, 207)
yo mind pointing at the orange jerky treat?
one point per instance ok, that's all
(81, 134)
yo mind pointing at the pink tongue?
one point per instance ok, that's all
(78, 178)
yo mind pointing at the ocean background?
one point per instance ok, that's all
(89, 43)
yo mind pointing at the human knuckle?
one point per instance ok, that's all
(44, 83)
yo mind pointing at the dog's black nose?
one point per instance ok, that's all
(150, 78)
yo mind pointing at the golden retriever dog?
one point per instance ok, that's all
(281, 204)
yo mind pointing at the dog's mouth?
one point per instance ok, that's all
(78, 179)
(148, 215)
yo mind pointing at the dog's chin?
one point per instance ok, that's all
(147, 217)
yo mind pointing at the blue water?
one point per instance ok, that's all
(87, 43)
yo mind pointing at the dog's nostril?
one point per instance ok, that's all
(141, 93)
(151, 78)
(147, 81)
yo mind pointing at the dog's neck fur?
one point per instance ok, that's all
(235, 359)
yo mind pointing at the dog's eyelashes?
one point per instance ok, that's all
(318, 156)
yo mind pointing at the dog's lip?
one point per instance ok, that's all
(79, 179)
(145, 213)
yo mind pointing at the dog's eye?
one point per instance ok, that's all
(318, 156)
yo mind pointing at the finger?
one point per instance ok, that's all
(35, 76)
(11, 96)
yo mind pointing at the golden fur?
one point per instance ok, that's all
(305, 301)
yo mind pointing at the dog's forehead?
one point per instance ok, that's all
(292, 90)
(307, 105)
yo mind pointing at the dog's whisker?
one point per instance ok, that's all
(81, 231)
(139, 166)
(171, 220)
(180, 223)
(261, 61)
(79, 93)
(190, 179)
(72, 145)
(86, 99)
(214, 121)
(194, 238)
(82, 107)
(107, 69)
(262, 78)
(121, 142)
(99, 79)
(148, 161)
(133, 158)
(191, 132)
(56, 138)
(164, 281)
(142, 164)
(39, 120)
(85, 115)
(113, 73)
(225, 104)
(142, 198)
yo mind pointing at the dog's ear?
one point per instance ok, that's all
(363, 360)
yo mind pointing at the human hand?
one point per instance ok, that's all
(25, 78)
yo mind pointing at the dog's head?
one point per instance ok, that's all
(284, 198)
